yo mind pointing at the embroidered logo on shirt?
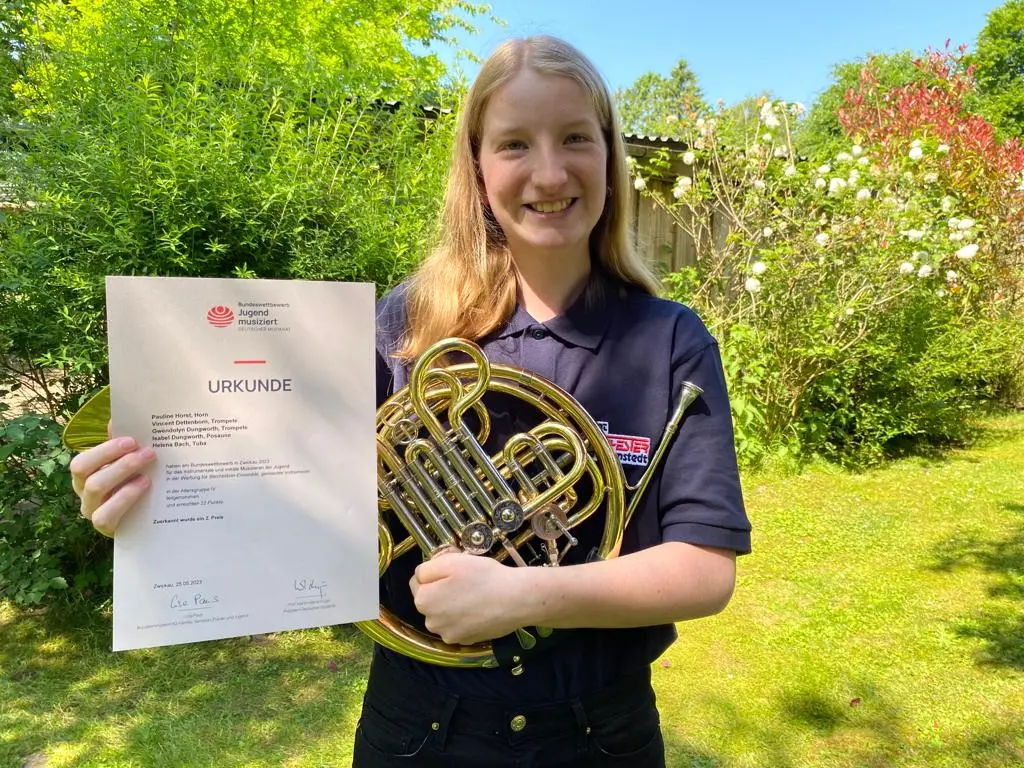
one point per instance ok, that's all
(632, 450)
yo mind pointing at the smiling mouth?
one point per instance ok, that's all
(554, 206)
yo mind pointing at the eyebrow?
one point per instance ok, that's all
(510, 129)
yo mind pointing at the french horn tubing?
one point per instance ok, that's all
(441, 488)
(435, 479)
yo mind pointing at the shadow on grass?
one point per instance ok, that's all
(1000, 624)
(241, 701)
(982, 434)
(681, 755)
(868, 731)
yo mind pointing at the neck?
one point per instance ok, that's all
(548, 286)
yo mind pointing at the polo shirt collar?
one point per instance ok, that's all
(583, 324)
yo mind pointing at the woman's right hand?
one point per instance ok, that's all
(107, 480)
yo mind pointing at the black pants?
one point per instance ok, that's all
(406, 722)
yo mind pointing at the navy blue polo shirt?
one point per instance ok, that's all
(623, 355)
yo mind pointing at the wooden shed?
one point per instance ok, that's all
(657, 236)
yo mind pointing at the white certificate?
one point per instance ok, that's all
(258, 397)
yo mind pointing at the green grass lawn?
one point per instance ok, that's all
(880, 622)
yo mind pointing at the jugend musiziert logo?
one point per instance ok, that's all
(220, 316)
(249, 316)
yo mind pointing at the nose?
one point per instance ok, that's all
(550, 170)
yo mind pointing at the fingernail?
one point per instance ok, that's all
(147, 453)
(126, 443)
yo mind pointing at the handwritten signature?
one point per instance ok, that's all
(310, 586)
(196, 600)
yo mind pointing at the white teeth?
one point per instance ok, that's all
(553, 207)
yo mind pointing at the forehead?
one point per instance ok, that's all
(533, 98)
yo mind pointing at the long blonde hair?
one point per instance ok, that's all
(466, 287)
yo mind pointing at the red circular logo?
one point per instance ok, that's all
(220, 317)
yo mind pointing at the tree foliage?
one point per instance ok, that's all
(998, 66)
(654, 104)
(820, 133)
(14, 16)
(194, 137)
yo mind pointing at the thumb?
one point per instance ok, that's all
(436, 568)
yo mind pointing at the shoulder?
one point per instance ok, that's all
(651, 315)
(391, 317)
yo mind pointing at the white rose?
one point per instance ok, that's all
(821, 239)
(968, 252)
(966, 223)
(759, 268)
(844, 157)
(820, 183)
(856, 150)
(915, 143)
(639, 184)
(752, 284)
(780, 151)
(824, 169)
(759, 184)
(952, 276)
(913, 235)
(863, 193)
(947, 204)
(924, 271)
(771, 121)
(863, 160)
(689, 157)
(789, 170)
(931, 178)
(906, 268)
(956, 237)
(942, 148)
(835, 186)
(915, 153)
(683, 185)
(767, 232)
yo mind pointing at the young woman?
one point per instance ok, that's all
(535, 264)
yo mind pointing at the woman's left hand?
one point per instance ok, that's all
(467, 599)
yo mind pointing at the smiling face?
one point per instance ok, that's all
(544, 164)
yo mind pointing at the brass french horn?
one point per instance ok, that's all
(446, 493)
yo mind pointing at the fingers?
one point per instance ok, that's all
(85, 464)
(433, 569)
(107, 516)
(107, 480)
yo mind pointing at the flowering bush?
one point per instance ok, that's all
(863, 297)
